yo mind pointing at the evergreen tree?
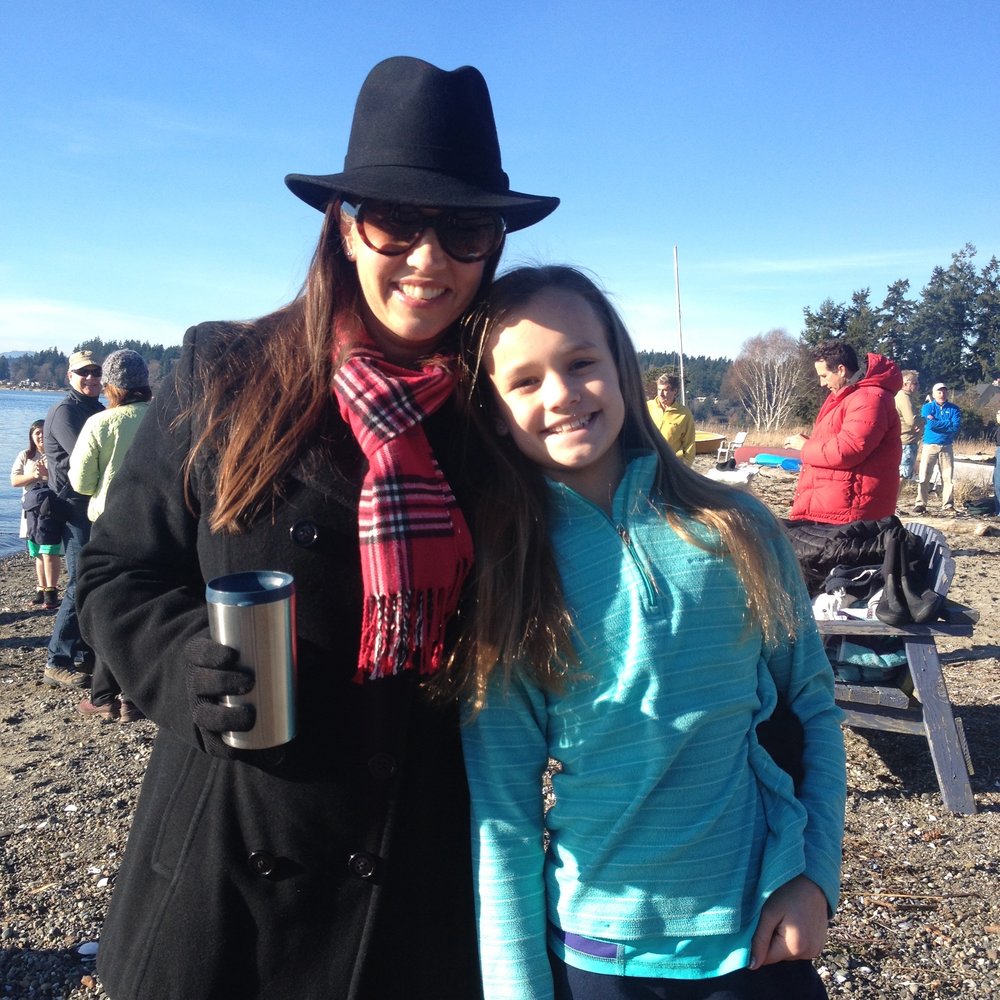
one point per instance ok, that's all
(828, 323)
(986, 340)
(702, 375)
(942, 328)
(861, 323)
(893, 339)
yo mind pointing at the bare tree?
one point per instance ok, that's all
(767, 378)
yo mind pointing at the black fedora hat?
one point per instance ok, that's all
(424, 136)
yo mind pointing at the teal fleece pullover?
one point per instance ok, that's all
(672, 824)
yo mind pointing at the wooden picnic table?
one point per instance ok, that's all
(918, 703)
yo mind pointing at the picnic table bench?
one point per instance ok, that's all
(918, 703)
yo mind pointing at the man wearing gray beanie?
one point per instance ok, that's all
(125, 370)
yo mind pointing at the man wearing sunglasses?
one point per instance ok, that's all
(67, 651)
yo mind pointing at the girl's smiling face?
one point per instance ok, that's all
(558, 392)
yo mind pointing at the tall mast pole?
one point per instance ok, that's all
(680, 335)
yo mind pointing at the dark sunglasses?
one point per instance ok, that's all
(89, 372)
(392, 230)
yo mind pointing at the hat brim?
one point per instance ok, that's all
(416, 186)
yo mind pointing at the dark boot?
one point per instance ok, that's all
(923, 603)
(892, 607)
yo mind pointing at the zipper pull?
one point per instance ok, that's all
(648, 579)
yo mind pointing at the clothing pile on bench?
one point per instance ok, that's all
(877, 566)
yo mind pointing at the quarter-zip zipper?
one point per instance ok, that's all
(640, 564)
(620, 528)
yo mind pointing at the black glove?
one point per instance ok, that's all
(211, 674)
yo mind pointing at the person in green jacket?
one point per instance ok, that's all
(96, 458)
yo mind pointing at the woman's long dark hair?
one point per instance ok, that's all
(254, 442)
(32, 451)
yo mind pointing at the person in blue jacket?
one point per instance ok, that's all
(996, 467)
(635, 622)
(941, 423)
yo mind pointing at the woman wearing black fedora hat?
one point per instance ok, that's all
(319, 441)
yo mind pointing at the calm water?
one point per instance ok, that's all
(18, 411)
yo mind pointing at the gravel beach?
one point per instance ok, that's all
(920, 911)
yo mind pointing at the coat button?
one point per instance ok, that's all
(273, 756)
(304, 533)
(362, 865)
(382, 766)
(261, 863)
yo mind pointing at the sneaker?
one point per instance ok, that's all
(65, 677)
(129, 711)
(88, 708)
(39, 598)
(51, 599)
(919, 508)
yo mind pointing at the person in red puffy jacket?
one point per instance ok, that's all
(850, 462)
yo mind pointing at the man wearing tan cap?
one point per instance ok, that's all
(63, 424)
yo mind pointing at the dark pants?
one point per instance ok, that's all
(104, 689)
(782, 981)
(66, 644)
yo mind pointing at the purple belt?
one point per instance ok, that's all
(585, 945)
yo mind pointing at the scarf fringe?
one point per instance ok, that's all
(404, 631)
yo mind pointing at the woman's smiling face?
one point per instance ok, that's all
(558, 391)
(411, 299)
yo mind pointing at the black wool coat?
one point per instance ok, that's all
(336, 867)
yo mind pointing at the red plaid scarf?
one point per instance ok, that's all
(415, 545)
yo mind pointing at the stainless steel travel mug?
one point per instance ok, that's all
(254, 613)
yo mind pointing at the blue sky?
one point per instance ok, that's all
(793, 151)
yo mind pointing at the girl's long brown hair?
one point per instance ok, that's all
(256, 428)
(518, 613)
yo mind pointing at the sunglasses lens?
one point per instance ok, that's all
(390, 229)
(470, 236)
(394, 229)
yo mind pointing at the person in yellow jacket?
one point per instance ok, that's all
(673, 420)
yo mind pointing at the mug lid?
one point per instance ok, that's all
(256, 586)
